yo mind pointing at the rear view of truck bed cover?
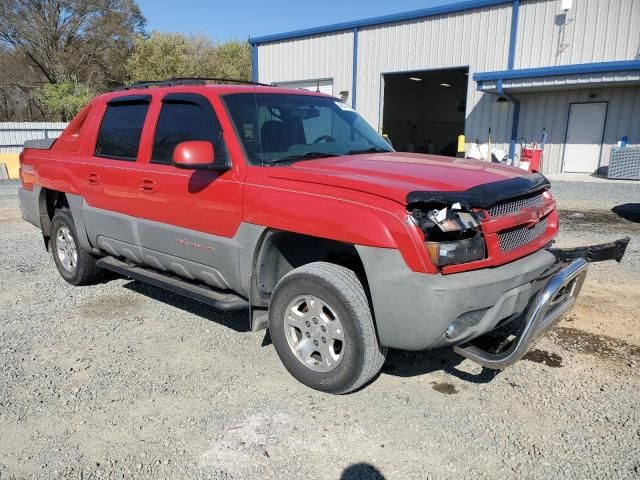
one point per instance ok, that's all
(40, 144)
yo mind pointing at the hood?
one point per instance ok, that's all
(408, 177)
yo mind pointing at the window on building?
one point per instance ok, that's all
(121, 128)
(184, 118)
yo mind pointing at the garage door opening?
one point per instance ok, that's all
(424, 111)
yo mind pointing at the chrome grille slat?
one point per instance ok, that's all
(511, 206)
(518, 237)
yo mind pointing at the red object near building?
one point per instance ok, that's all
(534, 157)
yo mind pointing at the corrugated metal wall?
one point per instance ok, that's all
(311, 58)
(550, 110)
(478, 39)
(592, 31)
(14, 134)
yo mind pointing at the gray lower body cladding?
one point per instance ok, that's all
(220, 262)
(413, 310)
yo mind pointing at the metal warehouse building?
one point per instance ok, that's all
(509, 71)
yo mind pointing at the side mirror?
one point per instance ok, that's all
(196, 155)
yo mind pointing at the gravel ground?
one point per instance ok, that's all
(600, 212)
(122, 380)
(594, 195)
(8, 188)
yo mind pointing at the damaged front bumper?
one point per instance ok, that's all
(561, 286)
(594, 253)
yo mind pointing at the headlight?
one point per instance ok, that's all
(456, 251)
(452, 234)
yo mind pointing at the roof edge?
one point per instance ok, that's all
(577, 68)
(374, 21)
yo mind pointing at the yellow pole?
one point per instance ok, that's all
(460, 151)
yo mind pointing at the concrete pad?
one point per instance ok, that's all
(586, 177)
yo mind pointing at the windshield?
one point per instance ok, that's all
(278, 129)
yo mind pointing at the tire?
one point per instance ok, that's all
(75, 265)
(327, 293)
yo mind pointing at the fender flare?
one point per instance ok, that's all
(76, 204)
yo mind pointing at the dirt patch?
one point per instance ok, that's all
(549, 359)
(444, 387)
(608, 308)
(597, 220)
(601, 346)
(9, 216)
(120, 306)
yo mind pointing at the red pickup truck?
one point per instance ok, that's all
(286, 203)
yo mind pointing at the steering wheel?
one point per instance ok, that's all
(326, 138)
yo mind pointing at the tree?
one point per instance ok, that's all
(233, 60)
(166, 55)
(16, 84)
(59, 39)
(64, 99)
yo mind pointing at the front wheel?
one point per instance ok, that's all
(321, 326)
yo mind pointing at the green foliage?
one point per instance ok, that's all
(233, 60)
(64, 99)
(77, 48)
(166, 55)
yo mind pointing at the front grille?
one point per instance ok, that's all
(511, 206)
(518, 237)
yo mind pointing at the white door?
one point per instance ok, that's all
(584, 137)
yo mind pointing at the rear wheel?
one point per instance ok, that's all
(321, 326)
(74, 264)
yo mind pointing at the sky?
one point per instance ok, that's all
(228, 19)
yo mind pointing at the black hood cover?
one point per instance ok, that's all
(487, 195)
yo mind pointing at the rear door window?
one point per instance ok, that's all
(184, 118)
(121, 128)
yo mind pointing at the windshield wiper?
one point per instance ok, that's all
(303, 156)
(369, 150)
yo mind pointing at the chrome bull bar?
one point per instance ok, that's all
(554, 300)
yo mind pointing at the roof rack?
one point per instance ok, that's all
(178, 81)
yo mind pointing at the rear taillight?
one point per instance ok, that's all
(25, 172)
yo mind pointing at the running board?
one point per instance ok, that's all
(216, 298)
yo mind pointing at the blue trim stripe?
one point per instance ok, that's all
(354, 73)
(369, 22)
(514, 129)
(514, 121)
(254, 62)
(514, 34)
(600, 67)
(513, 39)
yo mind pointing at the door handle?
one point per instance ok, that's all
(147, 185)
(93, 178)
